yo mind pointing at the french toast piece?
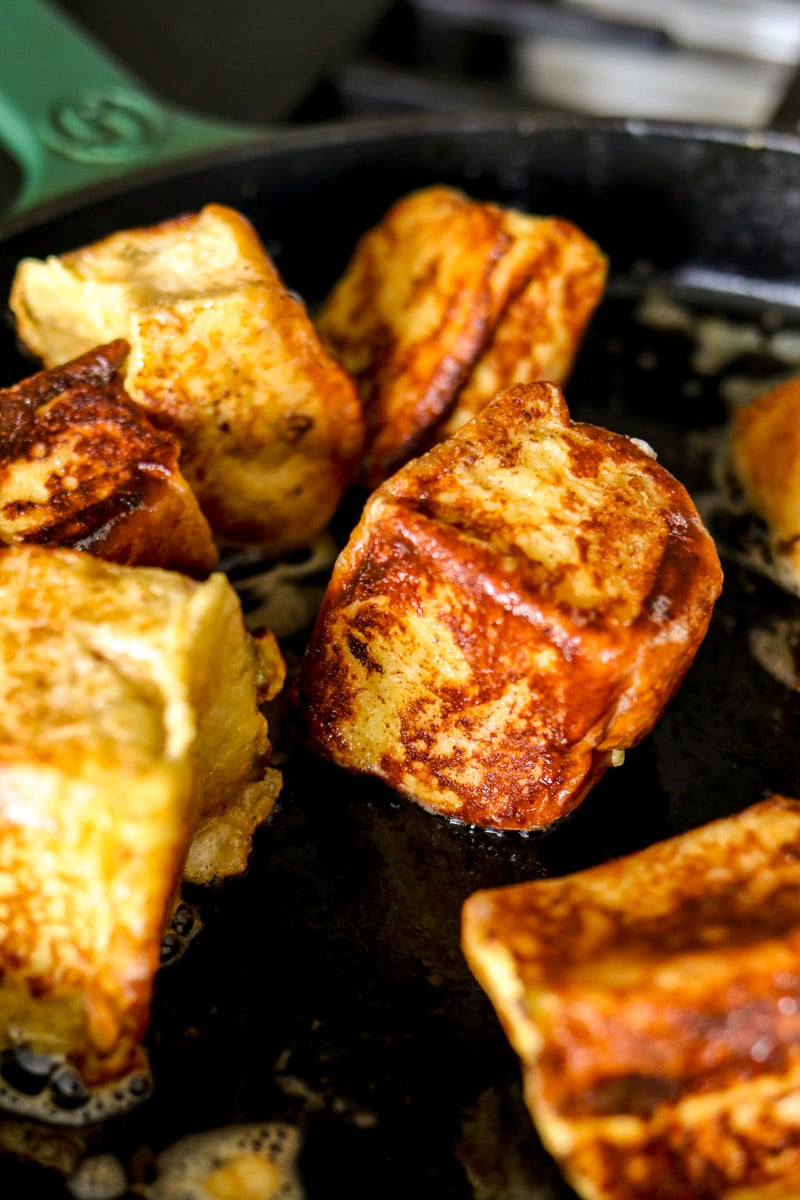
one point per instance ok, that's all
(121, 740)
(514, 608)
(222, 355)
(81, 465)
(766, 460)
(654, 1002)
(446, 301)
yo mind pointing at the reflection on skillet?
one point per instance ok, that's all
(360, 894)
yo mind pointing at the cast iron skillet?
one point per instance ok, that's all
(327, 989)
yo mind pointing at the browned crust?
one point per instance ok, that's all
(407, 384)
(130, 731)
(446, 301)
(222, 355)
(766, 459)
(113, 484)
(539, 330)
(523, 689)
(654, 1003)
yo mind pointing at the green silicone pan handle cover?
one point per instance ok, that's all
(72, 116)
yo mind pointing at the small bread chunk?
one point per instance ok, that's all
(129, 723)
(222, 355)
(81, 465)
(513, 607)
(655, 1004)
(446, 301)
(766, 461)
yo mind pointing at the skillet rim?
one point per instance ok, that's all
(395, 128)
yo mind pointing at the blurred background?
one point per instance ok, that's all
(267, 62)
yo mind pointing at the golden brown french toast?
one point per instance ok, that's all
(514, 609)
(766, 462)
(222, 355)
(121, 741)
(446, 301)
(654, 1002)
(81, 465)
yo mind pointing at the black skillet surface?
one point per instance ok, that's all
(327, 988)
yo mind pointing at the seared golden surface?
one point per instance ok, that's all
(222, 355)
(446, 301)
(653, 1003)
(513, 607)
(766, 459)
(120, 737)
(81, 465)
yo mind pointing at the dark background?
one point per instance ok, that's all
(277, 62)
(244, 60)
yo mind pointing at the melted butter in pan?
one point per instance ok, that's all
(744, 359)
(46, 1088)
(255, 1161)
(238, 1162)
